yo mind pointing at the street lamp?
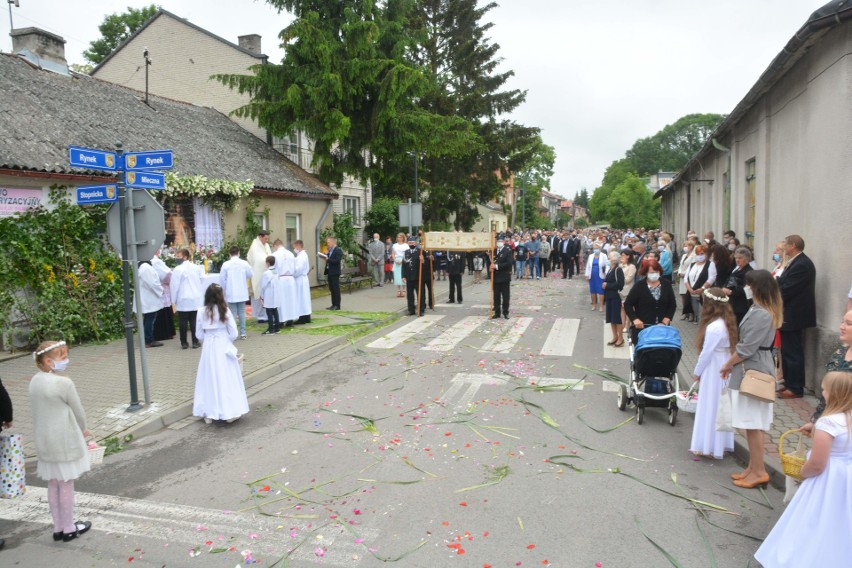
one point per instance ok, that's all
(17, 4)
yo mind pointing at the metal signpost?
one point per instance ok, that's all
(410, 214)
(152, 227)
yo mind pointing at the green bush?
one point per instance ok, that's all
(58, 277)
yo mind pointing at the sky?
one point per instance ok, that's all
(598, 74)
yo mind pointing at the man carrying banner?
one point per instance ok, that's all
(501, 270)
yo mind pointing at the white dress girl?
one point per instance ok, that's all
(714, 353)
(816, 527)
(220, 393)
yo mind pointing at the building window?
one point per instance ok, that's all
(293, 229)
(261, 219)
(751, 200)
(351, 205)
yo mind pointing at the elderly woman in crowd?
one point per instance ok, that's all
(686, 260)
(651, 301)
(612, 285)
(596, 268)
(754, 352)
(735, 286)
(701, 275)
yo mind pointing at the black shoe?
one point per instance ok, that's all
(330, 308)
(336, 308)
(496, 316)
(154, 344)
(82, 527)
(195, 345)
(451, 302)
(269, 332)
(184, 345)
(58, 536)
(505, 316)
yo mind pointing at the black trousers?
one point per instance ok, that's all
(428, 297)
(793, 359)
(576, 261)
(501, 298)
(554, 258)
(412, 289)
(187, 319)
(455, 286)
(545, 266)
(567, 266)
(334, 288)
(272, 318)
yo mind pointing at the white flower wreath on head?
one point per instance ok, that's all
(722, 299)
(46, 349)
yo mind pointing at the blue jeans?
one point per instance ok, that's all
(535, 267)
(239, 311)
(148, 326)
(520, 266)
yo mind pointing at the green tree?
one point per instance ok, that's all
(382, 218)
(671, 148)
(599, 204)
(582, 198)
(632, 204)
(115, 29)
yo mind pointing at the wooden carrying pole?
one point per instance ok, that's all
(420, 285)
(491, 256)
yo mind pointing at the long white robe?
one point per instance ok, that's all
(220, 392)
(257, 259)
(715, 352)
(303, 286)
(285, 265)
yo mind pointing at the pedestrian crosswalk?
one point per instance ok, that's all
(545, 335)
(464, 386)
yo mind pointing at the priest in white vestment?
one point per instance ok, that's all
(303, 286)
(256, 257)
(285, 264)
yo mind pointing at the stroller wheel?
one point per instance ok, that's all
(672, 416)
(622, 397)
(640, 414)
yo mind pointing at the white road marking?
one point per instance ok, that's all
(511, 307)
(458, 331)
(546, 381)
(610, 352)
(184, 525)
(609, 386)
(404, 333)
(560, 340)
(504, 341)
(472, 381)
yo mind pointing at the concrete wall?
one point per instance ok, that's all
(183, 59)
(309, 210)
(800, 136)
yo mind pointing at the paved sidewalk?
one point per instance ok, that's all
(101, 376)
(788, 414)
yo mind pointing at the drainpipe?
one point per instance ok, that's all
(328, 209)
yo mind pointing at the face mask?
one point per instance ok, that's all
(499, 244)
(747, 292)
(653, 276)
(699, 258)
(776, 257)
(685, 250)
(179, 261)
(596, 251)
(732, 247)
(661, 248)
(60, 365)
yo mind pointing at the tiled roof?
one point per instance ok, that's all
(43, 113)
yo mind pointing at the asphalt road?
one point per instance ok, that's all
(425, 444)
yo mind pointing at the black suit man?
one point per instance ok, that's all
(797, 284)
(333, 260)
(412, 266)
(501, 271)
(455, 268)
(566, 251)
(578, 248)
(554, 252)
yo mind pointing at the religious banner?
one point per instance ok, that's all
(457, 241)
(18, 200)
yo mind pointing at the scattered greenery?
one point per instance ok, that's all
(58, 278)
(114, 445)
(219, 194)
(383, 218)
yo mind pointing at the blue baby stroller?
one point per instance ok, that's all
(653, 372)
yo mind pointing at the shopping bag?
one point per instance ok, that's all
(724, 421)
(13, 479)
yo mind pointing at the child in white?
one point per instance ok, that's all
(59, 427)
(220, 393)
(269, 295)
(816, 528)
(718, 322)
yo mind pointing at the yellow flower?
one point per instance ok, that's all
(71, 277)
(108, 274)
(91, 264)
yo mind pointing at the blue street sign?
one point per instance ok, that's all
(97, 194)
(92, 159)
(145, 180)
(157, 160)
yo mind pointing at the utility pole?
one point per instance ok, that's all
(17, 4)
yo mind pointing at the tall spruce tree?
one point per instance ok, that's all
(346, 81)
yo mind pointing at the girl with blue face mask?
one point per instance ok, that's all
(59, 424)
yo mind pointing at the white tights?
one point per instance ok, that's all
(60, 498)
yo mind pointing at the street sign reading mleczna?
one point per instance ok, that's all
(91, 159)
(145, 180)
(157, 160)
(96, 194)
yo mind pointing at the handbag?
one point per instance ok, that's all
(760, 386)
(13, 482)
(388, 266)
(724, 421)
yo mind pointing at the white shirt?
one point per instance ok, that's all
(151, 291)
(187, 295)
(233, 279)
(399, 251)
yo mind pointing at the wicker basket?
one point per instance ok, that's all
(685, 401)
(792, 463)
(96, 455)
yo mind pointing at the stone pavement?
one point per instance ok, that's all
(788, 414)
(100, 373)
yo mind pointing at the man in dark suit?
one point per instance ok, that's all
(412, 267)
(333, 261)
(566, 250)
(577, 252)
(554, 251)
(797, 284)
(501, 270)
(455, 269)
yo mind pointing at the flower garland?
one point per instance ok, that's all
(220, 194)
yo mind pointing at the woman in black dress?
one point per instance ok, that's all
(651, 301)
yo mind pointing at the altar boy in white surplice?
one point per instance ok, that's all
(303, 286)
(285, 264)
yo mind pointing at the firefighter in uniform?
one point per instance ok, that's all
(501, 271)
(411, 266)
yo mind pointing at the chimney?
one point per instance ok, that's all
(250, 42)
(45, 45)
